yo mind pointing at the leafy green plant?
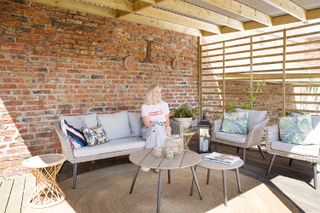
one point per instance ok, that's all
(231, 106)
(257, 88)
(184, 111)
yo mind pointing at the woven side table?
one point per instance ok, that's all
(45, 168)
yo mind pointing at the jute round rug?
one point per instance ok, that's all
(107, 190)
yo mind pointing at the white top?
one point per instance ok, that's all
(145, 158)
(42, 161)
(155, 112)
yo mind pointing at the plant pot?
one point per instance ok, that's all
(185, 122)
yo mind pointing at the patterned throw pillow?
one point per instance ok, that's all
(295, 130)
(235, 123)
(74, 135)
(95, 136)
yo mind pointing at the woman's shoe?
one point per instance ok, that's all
(145, 169)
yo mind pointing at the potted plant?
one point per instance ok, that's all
(184, 114)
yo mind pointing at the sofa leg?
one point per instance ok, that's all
(290, 162)
(261, 152)
(238, 149)
(216, 147)
(315, 175)
(74, 179)
(244, 156)
(270, 165)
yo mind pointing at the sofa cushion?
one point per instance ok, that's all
(81, 121)
(315, 121)
(75, 136)
(237, 138)
(112, 146)
(255, 117)
(95, 136)
(295, 130)
(305, 150)
(235, 123)
(115, 125)
(135, 123)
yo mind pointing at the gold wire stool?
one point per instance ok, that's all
(45, 169)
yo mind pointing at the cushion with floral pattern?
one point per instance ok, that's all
(95, 136)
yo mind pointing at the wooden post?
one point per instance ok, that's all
(284, 72)
(224, 75)
(251, 73)
(200, 76)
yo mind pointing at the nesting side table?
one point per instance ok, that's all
(45, 169)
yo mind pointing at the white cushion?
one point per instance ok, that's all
(255, 117)
(81, 121)
(135, 123)
(305, 150)
(115, 125)
(112, 146)
(237, 138)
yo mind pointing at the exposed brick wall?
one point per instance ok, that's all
(54, 61)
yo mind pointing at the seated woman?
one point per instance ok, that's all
(155, 117)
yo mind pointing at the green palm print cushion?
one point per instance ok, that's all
(235, 123)
(295, 130)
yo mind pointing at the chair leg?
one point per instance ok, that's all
(290, 162)
(261, 152)
(74, 179)
(238, 149)
(315, 175)
(216, 147)
(270, 165)
(244, 156)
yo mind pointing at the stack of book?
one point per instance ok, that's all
(222, 158)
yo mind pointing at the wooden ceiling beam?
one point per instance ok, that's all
(242, 10)
(141, 19)
(179, 19)
(79, 6)
(124, 5)
(190, 9)
(289, 7)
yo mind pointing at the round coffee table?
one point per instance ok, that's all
(45, 168)
(145, 158)
(209, 164)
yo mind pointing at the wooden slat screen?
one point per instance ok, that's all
(286, 61)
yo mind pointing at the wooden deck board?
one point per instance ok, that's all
(5, 191)
(29, 187)
(15, 199)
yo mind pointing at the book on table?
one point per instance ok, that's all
(222, 158)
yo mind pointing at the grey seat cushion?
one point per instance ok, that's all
(306, 150)
(255, 117)
(135, 123)
(81, 121)
(237, 138)
(112, 146)
(115, 125)
(315, 120)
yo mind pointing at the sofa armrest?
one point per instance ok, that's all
(65, 144)
(256, 133)
(272, 134)
(216, 126)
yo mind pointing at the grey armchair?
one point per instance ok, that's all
(308, 153)
(253, 138)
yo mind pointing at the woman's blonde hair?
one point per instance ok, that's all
(149, 99)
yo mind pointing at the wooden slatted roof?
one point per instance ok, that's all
(198, 17)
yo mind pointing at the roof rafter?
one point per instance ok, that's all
(289, 7)
(179, 19)
(202, 13)
(141, 19)
(242, 10)
(124, 5)
(79, 6)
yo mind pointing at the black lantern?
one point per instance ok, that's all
(204, 134)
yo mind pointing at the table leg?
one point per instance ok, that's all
(159, 190)
(192, 183)
(238, 179)
(224, 179)
(134, 180)
(169, 176)
(208, 176)
(196, 180)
